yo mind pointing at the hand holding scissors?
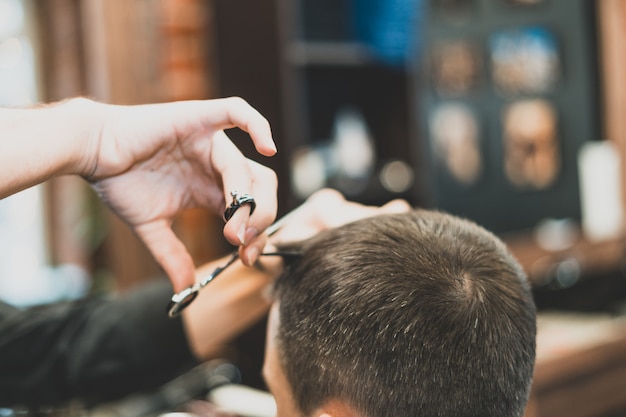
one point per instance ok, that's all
(323, 210)
(185, 297)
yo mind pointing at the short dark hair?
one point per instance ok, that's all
(413, 314)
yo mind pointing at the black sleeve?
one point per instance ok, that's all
(96, 349)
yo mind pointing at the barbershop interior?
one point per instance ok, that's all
(509, 113)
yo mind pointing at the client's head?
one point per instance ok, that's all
(413, 314)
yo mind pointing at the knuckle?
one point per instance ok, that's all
(237, 102)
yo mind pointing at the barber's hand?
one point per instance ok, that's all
(150, 162)
(327, 209)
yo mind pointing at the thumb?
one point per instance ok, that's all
(396, 206)
(169, 252)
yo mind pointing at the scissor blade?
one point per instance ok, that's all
(278, 224)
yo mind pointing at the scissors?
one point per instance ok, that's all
(182, 299)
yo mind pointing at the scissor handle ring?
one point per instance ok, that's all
(238, 201)
(181, 300)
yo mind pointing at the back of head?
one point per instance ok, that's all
(413, 314)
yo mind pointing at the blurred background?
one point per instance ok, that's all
(507, 112)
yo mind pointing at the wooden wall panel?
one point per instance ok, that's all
(123, 52)
(612, 33)
(60, 54)
(153, 52)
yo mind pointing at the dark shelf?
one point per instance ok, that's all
(321, 53)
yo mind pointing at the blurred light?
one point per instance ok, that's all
(17, 72)
(22, 250)
(396, 176)
(11, 52)
(308, 172)
(567, 273)
(556, 234)
(353, 144)
(11, 17)
(25, 276)
(243, 401)
(600, 173)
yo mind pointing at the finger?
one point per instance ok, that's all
(236, 228)
(326, 196)
(236, 112)
(169, 252)
(236, 176)
(251, 252)
(264, 188)
(245, 177)
(396, 206)
(334, 210)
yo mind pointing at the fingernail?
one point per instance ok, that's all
(252, 254)
(251, 233)
(241, 234)
(273, 145)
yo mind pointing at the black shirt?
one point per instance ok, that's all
(97, 349)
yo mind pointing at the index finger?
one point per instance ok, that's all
(236, 112)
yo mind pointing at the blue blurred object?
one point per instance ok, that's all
(525, 59)
(390, 28)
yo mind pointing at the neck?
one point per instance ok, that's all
(337, 408)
